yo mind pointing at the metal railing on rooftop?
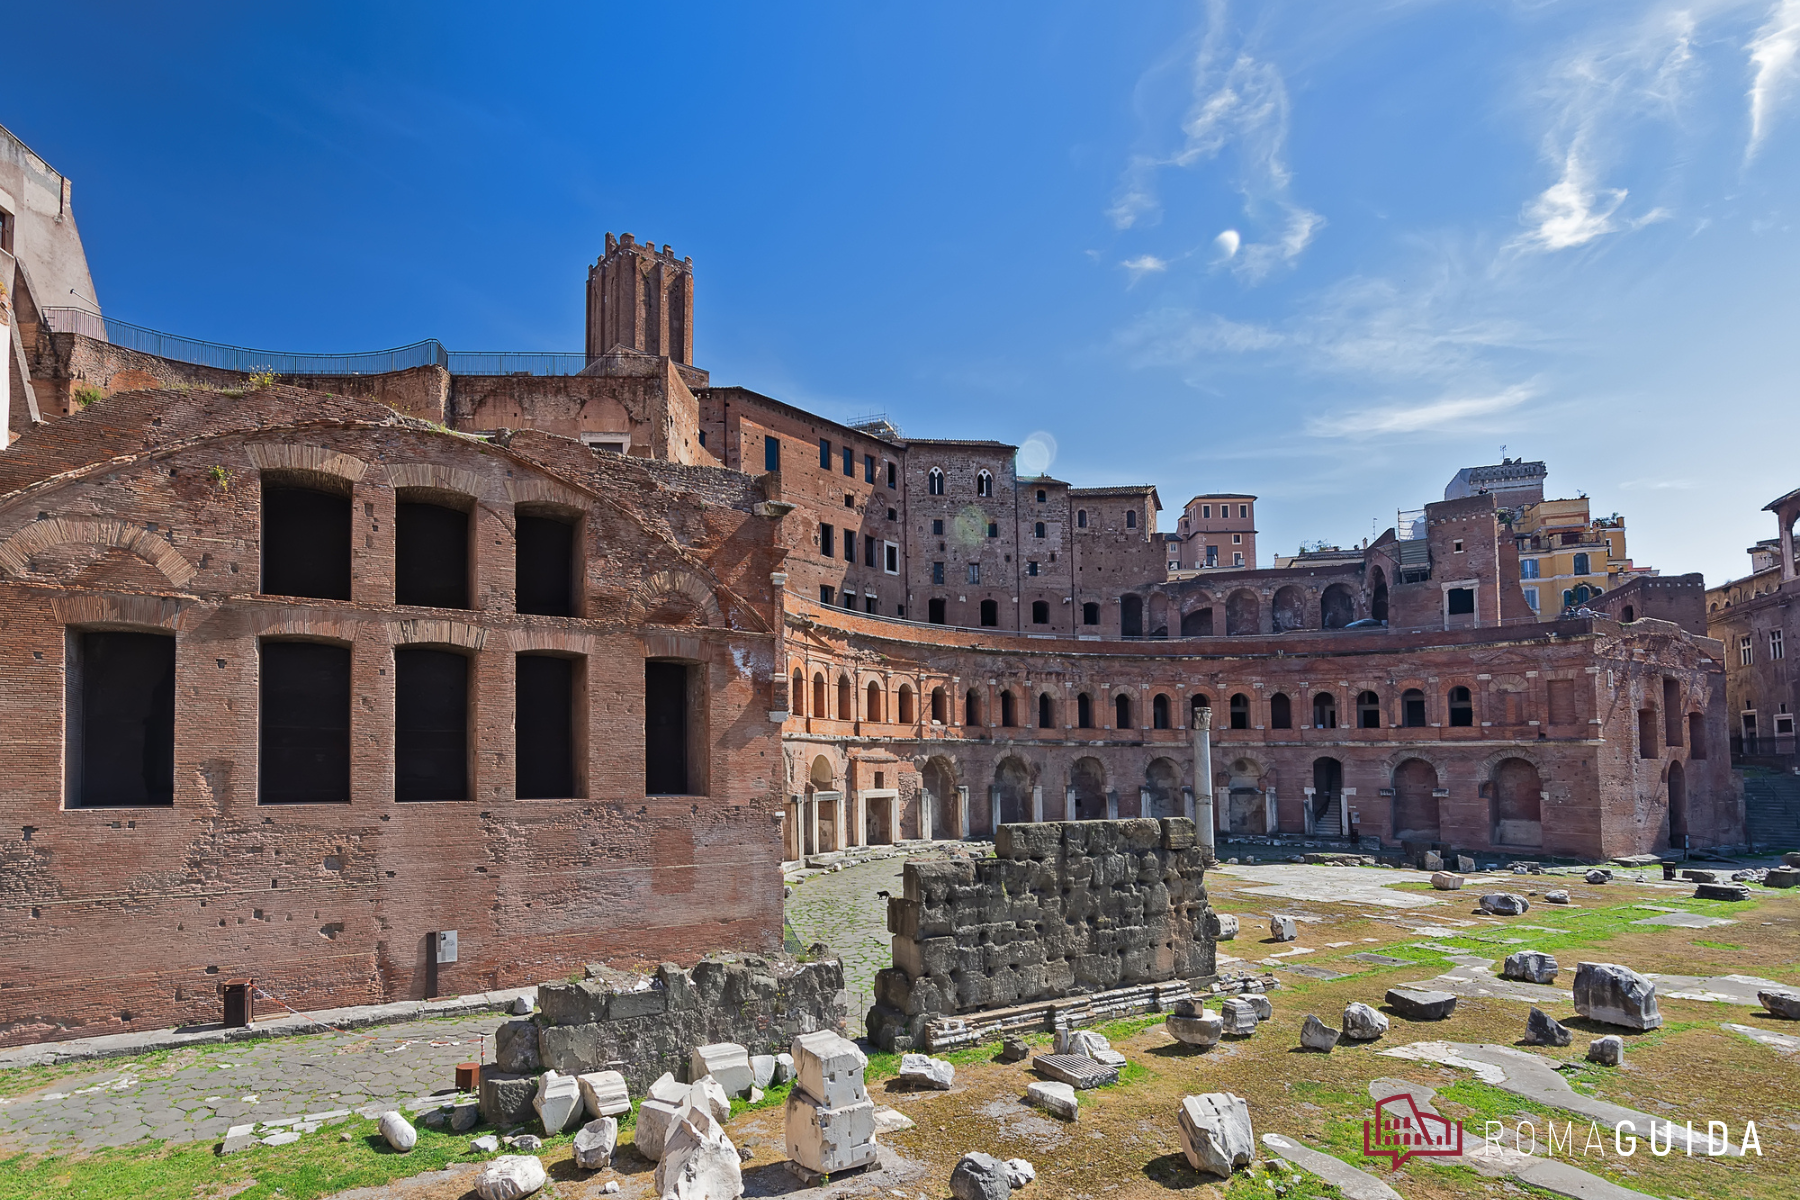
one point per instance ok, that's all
(427, 353)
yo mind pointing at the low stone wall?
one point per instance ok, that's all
(1063, 909)
(643, 1025)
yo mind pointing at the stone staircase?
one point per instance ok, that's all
(1772, 811)
(1330, 823)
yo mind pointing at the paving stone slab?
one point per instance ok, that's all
(1355, 1184)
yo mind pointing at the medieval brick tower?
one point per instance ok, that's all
(641, 299)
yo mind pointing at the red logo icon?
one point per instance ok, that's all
(1400, 1131)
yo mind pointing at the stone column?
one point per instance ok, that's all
(1187, 803)
(1306, 810)
(1144, 802)
(812, 825)
(962, 812)
(1786, 518)
(894, 818)
(1112, 804)
(1037, 804)
(926, 833)
(1069, 813)
(843, 819)
(1204, 820)
(859, 833)
(1270, 820)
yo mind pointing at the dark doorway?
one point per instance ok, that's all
(1090, 613)
(990, 614)
(304, 753)
(1159, 711)
(1378, 598)
(1198, 623)
(934, 610)
(1678, 814)
(1131, 616)
(1328, 797)
(666, 727)
(121, 719)
(1040, 612)
(431, 556)
(1240, 711)
(1337, 608)
(545, 566)
(305, 542)
(1412, 708)
(431, 725)
(544, 727)
(1281, 711)
(1122, 712)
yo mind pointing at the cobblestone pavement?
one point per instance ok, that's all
(197, 1093)
(845, 911)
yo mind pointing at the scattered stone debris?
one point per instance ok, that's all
(1615, 995)
(1076, 1070)
(595, 1142)
(1215, 1133)
(1421, 1004)
(1221, 927)
(1054, 1097)
(1608, 1051)
(558, 1101)
(398, 1132)
(1019, 1172)
(510, 1177)
(924, 1071)
(1239, 1016)
(727, 1062)
(1317, 1035)
(604, 1093)
(1192, 1025)
(1599, 875)
(980, 1176)
(830, 1120)
(1556, 897)
(1530, 966)
(1362, 1023)
(1784, 1004)
(1282, 929)
(1014, 1049)
(1722, 891)
(1541, 1029)
(487, 1143)
(1504, 904)
(1444, 881)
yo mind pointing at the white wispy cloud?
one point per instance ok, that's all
(1657, 485)
(1571, 211)
(1239, 103)
(1447, 413)
(1144, 264)
(1774, 55)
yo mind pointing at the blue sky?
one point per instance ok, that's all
(1326, 253)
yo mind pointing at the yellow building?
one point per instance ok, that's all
(1567, 556)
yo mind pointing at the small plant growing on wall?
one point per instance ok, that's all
(85, 396)
(256, 381)
(221, 478)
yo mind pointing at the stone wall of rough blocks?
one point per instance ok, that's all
(642, 1031)
(142, 513)
(1068, 907)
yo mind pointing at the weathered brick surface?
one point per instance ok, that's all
(142, 513)
(1064, 908)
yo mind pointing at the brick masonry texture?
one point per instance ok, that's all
(761, 1003)
(141, 513)
(1064, 908)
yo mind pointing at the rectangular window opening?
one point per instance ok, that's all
(544, 567)
(431, 555)
(120, 728)
(305, 541)
(771, 454)
(545, 727)
(303, 752)
(671, 732)
(431, 725)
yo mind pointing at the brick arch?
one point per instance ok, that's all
(1435, 758)
(676, 583)
(534, 490)
(1485, 769)
(284, 456)
(305, 623)
(429, 631)
(437, 478)
(16, 551)
(154, 612)
(566, 641)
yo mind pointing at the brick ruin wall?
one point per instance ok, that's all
(1065, 908)
(645, 1026)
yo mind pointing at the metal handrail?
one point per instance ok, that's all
(427, 353)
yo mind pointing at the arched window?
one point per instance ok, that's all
(1281, 711)
(1194, 706)
(1368, 710)
(990, 613)
(1131, 518)
(1412, 708)
(818, 697)
(1159, 711)
(972, 708)
(1090, 613)
(1007, 717)
(1581, 564)
(1240, 711)
(846, 710)
(1084, 711)
(797, 697)
(1081, 518)
(984, 484)
(1122, 712)
(934, 482)
(1041, 496)
(1040, 612)
(905, 716)
(874, 710)
(1037, 530)
(938, 706)
(1462, 708)
(1046, 711)
(1324, 711)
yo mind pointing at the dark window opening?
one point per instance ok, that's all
(1647, 747)
(850, 546)
(1040, 496)
(303, 755)
(1368, 711)
(934, 484)
(431, 556)
(1037, 530)
(1040, 612)
(972, 708)
(937, 528)
(431, 725)
(827, 593)
(1084, 711)
(771, 454)
(1006, 710)
(1240, 711)
(1324, 711)
(868, 550)
(1462, 708)
(1131, 616)
(849, 462)
(868, 468)
(1090, 613)
(1122, 712)
(1281, 712)
(891, 479)
(827, 540)
(938, 705)
(1462, 601)
(1131, 518)
(1672, 721)
(990, 613)
(1198, 623)
(305, 542)
(1159, 711)
(1046, 711)
(825, 453)
(545, 566)
(993, 529)
(1081, 518)
(544, 727)
(121, 719)
(1696, 736)
(1412, 708)
(934, 607)
(666, 727)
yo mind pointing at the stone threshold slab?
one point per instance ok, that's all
(1042, 1016)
